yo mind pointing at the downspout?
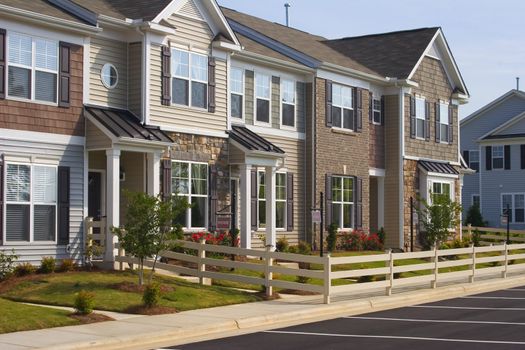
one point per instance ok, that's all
(401, 166)
(143, 88)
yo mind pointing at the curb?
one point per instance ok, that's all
(171, 336)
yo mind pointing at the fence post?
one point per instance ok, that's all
(469, 230)
(433, 283)
(471, 278)
(327, 283)
(506, 252)
(268, 274)
(121, 254)
(390, 275)
(201, 266)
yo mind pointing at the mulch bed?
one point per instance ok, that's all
(156, 310)
(91, 318)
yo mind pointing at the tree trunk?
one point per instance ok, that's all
(141, 271)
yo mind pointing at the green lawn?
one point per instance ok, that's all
(16, 317)
(60, 289)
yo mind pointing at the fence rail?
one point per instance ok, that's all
(491, 235)
(332, 275)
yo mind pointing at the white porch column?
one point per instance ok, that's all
(380, 201)
(112, 201)
(153, 173)
(246, 212)
(269, 185)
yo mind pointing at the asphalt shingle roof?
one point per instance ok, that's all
(122, 9)
(42, 7)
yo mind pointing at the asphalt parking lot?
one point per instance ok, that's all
(494, 320)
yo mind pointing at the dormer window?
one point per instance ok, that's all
(189, 79)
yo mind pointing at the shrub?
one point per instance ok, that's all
(331, 240)
(292, 249)
(151, 295)
(7, 264)
(67, 265)
(282, 245)
(47, 265)
(381, 235)
(372, 242)
(84, 302)
(474, 217)
(305, 249)
(24, 269)
(476, 238)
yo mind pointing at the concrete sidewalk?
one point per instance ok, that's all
(145, 332)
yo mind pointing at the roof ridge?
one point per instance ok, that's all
(385, 33)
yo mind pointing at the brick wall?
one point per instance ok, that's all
(32, 116)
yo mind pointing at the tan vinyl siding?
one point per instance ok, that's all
(191, 10)
(96, 139)
(104, 51)
(135, 78)
(276, 103)
(132, 163)
(191, 31)
(248, 97)
(236, 156)
(309, 158)
(300, 106)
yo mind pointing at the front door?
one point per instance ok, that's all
(95, 195)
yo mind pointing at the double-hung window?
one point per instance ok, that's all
(441, 189)
(443, 122)
(516, 204)
(473, 160)
(343, 201)
(237, 92)
(32, 68)
(190, 180)
(262, 97)
(280, 200)
(420, 117)
(376, 111)
(498, 157)
(30, 203)
(190, 78)
(288, 103)
(342, 107)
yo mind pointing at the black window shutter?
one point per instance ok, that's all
(370, 107)
(522, 147)
(3, 60)
(427, 121)
(63, 204)
(450, 124)
(359, 109)
(507, 157)
(289, 202)
(328, 200)
(166, 179)
(1, 200)
(438, 120)
(166, 75)
(64, 75)
(211, 85)
(254, 188)
(488, 157)
(359, 203)
(412, 117)
(328, 98)
(213, 198)
(382, 110)
(466, 157)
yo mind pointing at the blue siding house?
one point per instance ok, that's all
(493, 144)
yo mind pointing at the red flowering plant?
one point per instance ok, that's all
(216, 238)
(358, 240)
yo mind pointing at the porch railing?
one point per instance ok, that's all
(95, 241)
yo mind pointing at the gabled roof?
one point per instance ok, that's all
(506, 130)
(146, 10)
(251, 141)
(42, 7)
(492, 104)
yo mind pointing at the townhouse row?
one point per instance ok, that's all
(249, 120)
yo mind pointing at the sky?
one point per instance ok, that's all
(487, 37)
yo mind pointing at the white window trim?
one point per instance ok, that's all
(424, 118)
(340, 227)
(426, 185)
(31, 204)
(255, 97)
(513, 205)
(187, 227)
(189, 79)
(470, 157)
(376, 110)
(280, 229)
(502, 157)
(242, 94)
(343, 108)
(294, 104)
(443, 121)
(108, 86)
(32, 68)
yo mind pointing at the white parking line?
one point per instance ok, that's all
(503, 298)
(399, 337)
(468, 307)
(434, 321)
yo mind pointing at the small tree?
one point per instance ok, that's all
(474, 216)
(437, 218)
(149, 227)
(331, 240)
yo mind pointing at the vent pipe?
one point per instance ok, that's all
(518, 83)
(287, 6)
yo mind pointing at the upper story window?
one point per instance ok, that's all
(288, 103)
(237, 92)
(32, 68)
(420, 117)
(190, 78)
(109, 76)
(343, 201)
(443, 122)
(280, 200)
(476, 201)
(190, 180)
(473, 161)
(376, 111)
(262, 97)
(498, 157)
(342, 107)
(516, 204)
(30, 203)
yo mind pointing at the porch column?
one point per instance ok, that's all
(380, 202)
(270, 206)
(153, 173)
(112, 201)
(246, 212)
